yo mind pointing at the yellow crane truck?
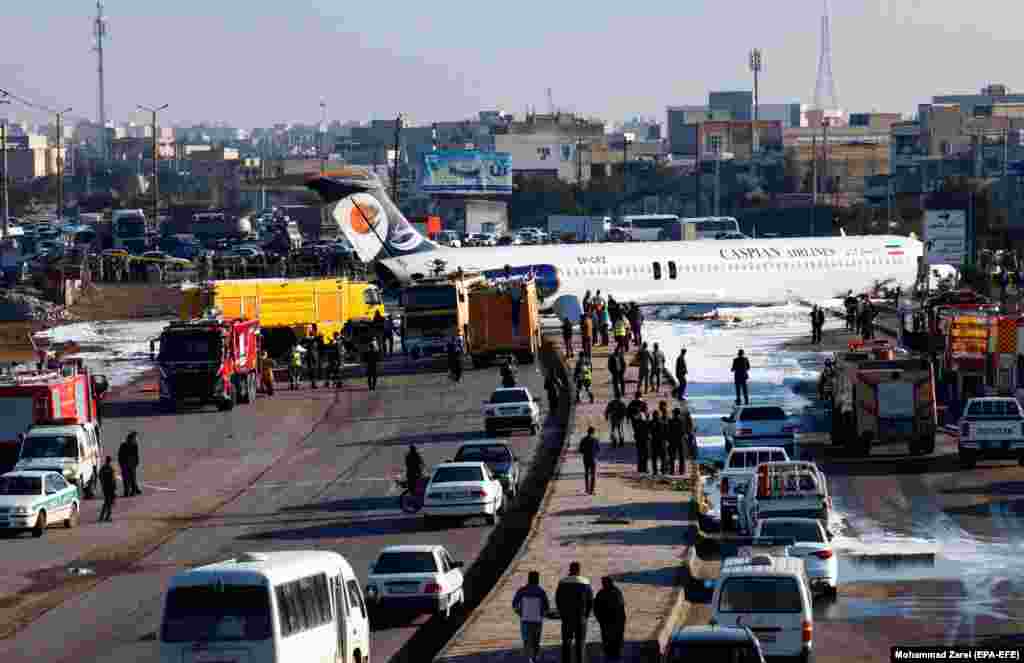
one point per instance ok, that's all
(504, 319)
(287, 308)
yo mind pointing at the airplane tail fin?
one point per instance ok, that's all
(356, 200)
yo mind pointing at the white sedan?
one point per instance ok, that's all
(36, 499)
(463, 490)
(511, 408)
(421, 578)
(813, 544)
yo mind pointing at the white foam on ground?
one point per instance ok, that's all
(117, 349)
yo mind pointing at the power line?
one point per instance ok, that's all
(7, 94)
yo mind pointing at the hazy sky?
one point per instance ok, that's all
(257, 62)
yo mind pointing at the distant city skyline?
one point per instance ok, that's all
(259, 63)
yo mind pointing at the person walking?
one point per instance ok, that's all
(454, 352)
(567, 337)
(657, 368)
(531, 604)
(312, 358)
(267, 373)
(644, 360)
(606, 326)
(635, 410)
(108, 485)
(821, 321)
(617, 369)
(850, 304)
(584, 376)
(676, 442)
(128, 459)
(551, 387)
(615, 414)
(586, 334)
(814, 323)
(589, 448)
(295, 368)
(656, 443)
(642, 440)
(740, 375)
(574, 599)
(610, 611)
(620, 331)
(681, 371)
(372, 360)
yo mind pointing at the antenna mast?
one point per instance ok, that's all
(551, 102)
(100, 35)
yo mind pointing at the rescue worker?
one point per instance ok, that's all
(454, 351)
(615, 414)
(620, 332)
(584, 376)
(295, 368)
(267, 373)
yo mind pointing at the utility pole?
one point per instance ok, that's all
(156, 161)
(756, 64)
(323, 136)
(5, 210)
(394, 171)
(60, 162)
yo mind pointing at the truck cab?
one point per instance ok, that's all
(991, 428)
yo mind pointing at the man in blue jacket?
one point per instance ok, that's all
(531, 604)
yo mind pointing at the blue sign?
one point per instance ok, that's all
(467, 172)
(545, 276)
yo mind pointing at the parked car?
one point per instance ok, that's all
(991, 428)
(36, 499)
(449, 238)
(813, 544)
(500, 460)
(731, 644)
(463, 490)
(511, 408)
(510, 240)
(760, 425)
(420, 578)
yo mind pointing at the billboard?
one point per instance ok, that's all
(945, 236)
(467, 172)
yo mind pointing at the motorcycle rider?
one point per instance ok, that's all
(508, 372)
(413, 469)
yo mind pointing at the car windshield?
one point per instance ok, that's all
(714, 652)
(760, 595)
(217, 613)
(190, 347)
(50, 446)
(484, 454)
(1007, 408)
(456, 474)
(509, 396)
(405, 562)
(763, 414)
(798, 531)
(18, 485)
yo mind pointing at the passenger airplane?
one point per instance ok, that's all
(750, 271)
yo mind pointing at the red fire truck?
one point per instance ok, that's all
(208, 360)
(63, 394)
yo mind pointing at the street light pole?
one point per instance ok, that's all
(60, 162)
(156, 161)
(5, 211)
(394, 171)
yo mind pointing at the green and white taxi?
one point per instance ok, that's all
(33, 500)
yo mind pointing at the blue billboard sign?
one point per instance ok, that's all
(467, 172)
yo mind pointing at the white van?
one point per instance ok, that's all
(449, 238)
(771, 596)
(73, 451)
(273, 607)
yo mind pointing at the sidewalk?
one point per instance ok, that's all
(635, 529)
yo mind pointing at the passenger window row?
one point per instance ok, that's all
(658, 269)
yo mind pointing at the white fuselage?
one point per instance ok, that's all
(754, 271)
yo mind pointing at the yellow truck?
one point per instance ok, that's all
(287, 307)
(435, 312)
(504, 318)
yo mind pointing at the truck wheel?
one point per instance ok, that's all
(242, 389)
(968, 460)
(40, 527)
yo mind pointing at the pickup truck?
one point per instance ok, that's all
(797, 489)
(991, 428)
(759, 425)
(736, 473)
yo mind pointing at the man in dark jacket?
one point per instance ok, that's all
(589, 449)
(531, 604)
(681, 371)
(615, 413)
(740, 375)
(676, 439)
(372, 360)
(108, 485)
(567, 336)
(645, 360)
(656, 435)
(128, 459)
(617, 368)
(575, 601)
(610, 611)
(635, 410)
(312, 358)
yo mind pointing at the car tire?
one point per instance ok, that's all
(72, 519)
(40, 527)
(968, 460)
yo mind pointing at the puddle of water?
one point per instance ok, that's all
(895, 567)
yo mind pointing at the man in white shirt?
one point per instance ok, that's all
(531, 604)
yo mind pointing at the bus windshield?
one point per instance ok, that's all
(216, 613)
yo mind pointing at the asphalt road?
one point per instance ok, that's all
(928, 554)
(301, 470)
